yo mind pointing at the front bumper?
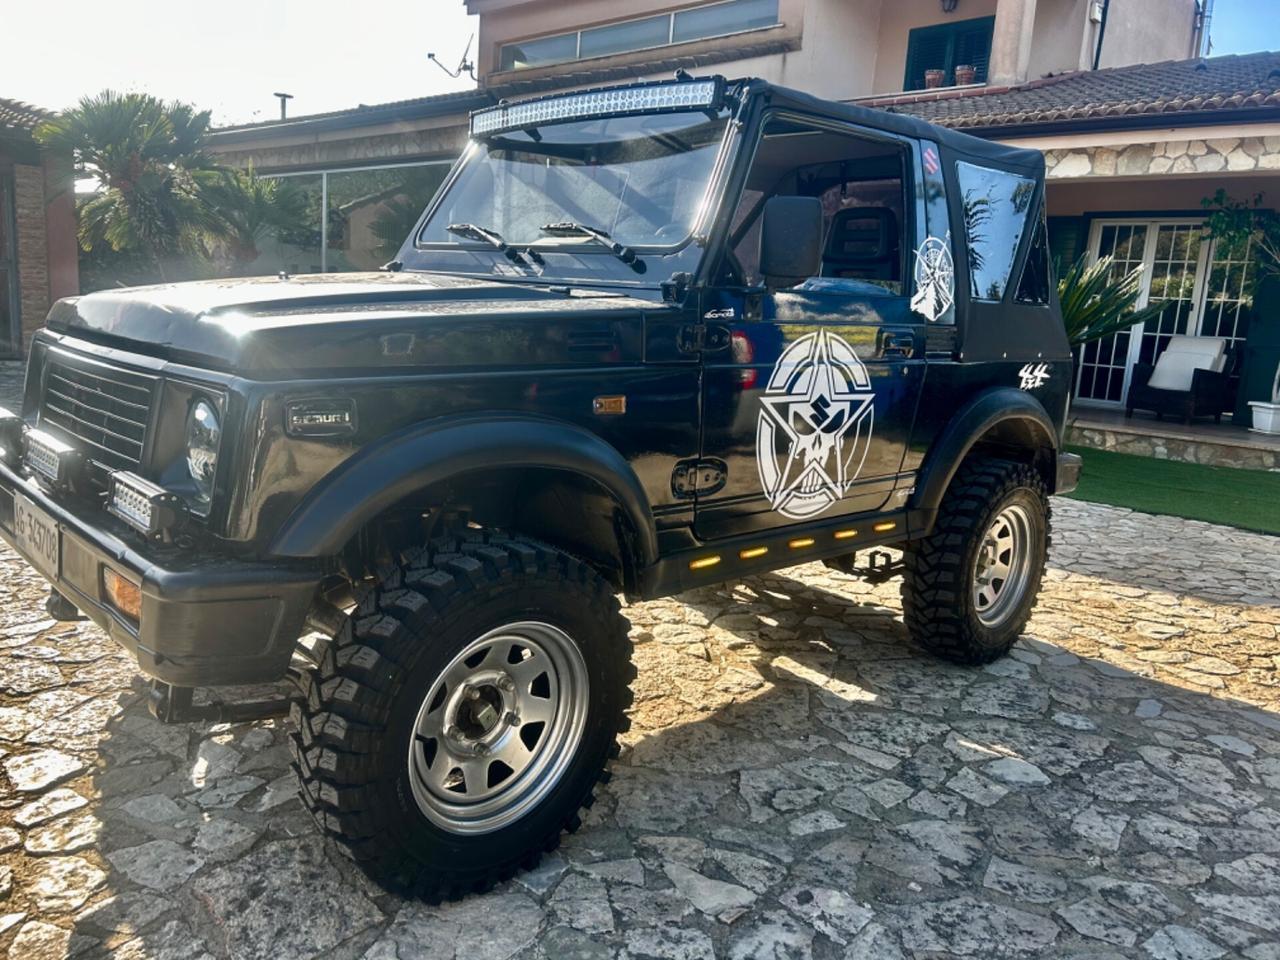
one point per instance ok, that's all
(205, 620)
(1068, 476)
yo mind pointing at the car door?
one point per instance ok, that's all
(808, 413)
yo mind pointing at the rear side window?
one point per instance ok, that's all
(996, 206)
(1034, 286)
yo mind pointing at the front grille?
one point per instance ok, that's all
(106, 408)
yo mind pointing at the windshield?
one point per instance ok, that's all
(641, 180)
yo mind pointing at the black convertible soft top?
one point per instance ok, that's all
(990, 153)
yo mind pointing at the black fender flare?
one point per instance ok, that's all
(965, 429)
(394, 467)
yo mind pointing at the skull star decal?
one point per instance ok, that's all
(815, 423)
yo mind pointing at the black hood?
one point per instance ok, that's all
(335, 321)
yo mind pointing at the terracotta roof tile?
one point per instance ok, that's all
(1238, 82)
(16, 115)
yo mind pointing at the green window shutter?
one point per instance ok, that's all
(944, 45)
(1066, 241)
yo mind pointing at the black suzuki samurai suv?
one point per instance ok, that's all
(644, 339)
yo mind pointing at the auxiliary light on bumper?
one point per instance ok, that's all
(143, 505)
(55, 461)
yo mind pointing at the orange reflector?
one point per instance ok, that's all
(884, 527)
(800, 542)
(124, 595)
(703, 563)
(846, 534)
(752, 552)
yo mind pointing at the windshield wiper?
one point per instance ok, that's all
(494, 239)
(567, 228)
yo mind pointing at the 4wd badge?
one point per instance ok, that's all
(815, 423)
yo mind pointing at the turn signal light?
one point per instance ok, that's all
(800, 543)
(752, 552)
(846, 534)
(703, 563)
(884, 527)
(122, 593)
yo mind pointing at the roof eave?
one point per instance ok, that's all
(1140, 121)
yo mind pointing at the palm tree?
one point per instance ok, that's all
(247, 210)
(1095, 303)
(146, 156)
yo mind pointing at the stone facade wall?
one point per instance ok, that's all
(32, 247)
(1235, 154)
(1218, 454)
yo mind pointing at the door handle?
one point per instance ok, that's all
(895, 343)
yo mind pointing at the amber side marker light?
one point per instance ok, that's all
(800, 543)
(752, 552)
(845, 534)
(884, 527)
(123, 594)
(703, 563)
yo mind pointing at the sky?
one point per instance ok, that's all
(330, 54)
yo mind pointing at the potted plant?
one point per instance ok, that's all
(1237, 226)
(1266, 416)
(966, 73)
(933, 79)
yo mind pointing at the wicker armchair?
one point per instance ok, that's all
(1190, 379)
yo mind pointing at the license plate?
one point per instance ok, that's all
(37, 535)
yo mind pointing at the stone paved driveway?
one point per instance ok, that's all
(800, 781)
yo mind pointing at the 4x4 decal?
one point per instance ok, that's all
(816, 417)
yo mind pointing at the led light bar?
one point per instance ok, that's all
(143, 505)
(612, 101)
(52, 459)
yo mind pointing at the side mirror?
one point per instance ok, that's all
(790, 240)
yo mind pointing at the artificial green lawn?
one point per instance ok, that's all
(1249, 499)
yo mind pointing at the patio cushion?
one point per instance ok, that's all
(1184, 356)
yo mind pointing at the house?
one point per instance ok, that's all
(38, 251)
(1137, 127)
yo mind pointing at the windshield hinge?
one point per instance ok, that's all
(673, 290)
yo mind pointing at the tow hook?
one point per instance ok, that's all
(170, 704)
(60, 608)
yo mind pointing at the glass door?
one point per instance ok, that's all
(1104, 363)
(1176, 264)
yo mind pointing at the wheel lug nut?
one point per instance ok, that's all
(451, 732)
(506, 683)
(472, 693)
(512, 718)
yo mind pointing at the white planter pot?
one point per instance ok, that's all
(1266, 416)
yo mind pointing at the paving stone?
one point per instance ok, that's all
(712, 897)
(62, 884)
(52, 804)
(259, 916)
(830, 912)
(157, 864)
(1014, 771)
(32, 772)
(38, 940)
(1023, 884)
(966, 926)
(65, 835)
(1175, 942)
(1094, 919)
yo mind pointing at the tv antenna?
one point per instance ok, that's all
(464, 65)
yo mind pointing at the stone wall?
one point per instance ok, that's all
(1246, 454)
(1234, 154)
(32, 247)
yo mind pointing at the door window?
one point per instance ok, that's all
(860, 183)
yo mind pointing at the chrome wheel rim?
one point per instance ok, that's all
(498, 728)
(1003, 566)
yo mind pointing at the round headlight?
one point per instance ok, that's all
(203, 434)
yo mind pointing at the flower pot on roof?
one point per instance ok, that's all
(933, 79)
(1266, 416)
(966, 73)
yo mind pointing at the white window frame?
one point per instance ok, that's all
(1204, 261)
(671, 40)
